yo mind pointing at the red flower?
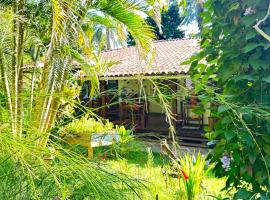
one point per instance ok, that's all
(184, 174)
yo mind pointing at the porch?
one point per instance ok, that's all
(144, 115)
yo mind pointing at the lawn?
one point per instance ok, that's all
(151, 168)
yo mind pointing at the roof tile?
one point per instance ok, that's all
(169, 54)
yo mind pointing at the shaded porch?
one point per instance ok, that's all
(144, 116)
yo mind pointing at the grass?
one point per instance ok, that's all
(29, 171)
(151, 169)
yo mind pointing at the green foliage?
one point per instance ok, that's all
(194, 167)
(169, 27)
(170, 22)
(85, 126)
(235, 79)
(149, 166)
(57, 33)
(32, 172)
(127, 142)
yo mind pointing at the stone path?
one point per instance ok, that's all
(155, 147)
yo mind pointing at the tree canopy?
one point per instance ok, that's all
(169, 26)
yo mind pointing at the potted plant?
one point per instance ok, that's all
(79, 131)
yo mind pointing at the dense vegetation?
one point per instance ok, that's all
(168, 27)
(39, 43)
(42, 41)
(233, 73)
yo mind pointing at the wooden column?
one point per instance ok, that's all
(121, 112)
(143, 118)
(103, 99)
(174, 105)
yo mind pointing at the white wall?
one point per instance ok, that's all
(145, 87)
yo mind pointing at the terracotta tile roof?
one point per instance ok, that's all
(167, 58)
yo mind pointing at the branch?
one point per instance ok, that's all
(259, 30)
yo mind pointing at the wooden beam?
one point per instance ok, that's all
(139, 77)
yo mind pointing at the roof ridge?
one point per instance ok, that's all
(154, 41)
(174, 39)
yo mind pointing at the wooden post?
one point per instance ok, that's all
(121, 112)
(174, 105)
(103, 99)
(143, 115)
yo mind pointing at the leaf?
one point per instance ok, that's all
(228, 69)
(252, 157)
(256, 61)
(266, 148)
(234, 6)
(244, 77)
(198, 110)
(243, 194)
(266, 138)
(250, 34)
(226, 120)
(229, 135)
(249, 20)
(266, 79)
(222, 108)
(268, 127)
(267, 159)
(247, 138)
(260, 176)
(236, 156)
(250, 46)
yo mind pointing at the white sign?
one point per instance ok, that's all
(104, 139)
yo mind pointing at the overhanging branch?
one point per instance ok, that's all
(258, 29)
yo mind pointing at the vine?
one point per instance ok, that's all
(233, 73)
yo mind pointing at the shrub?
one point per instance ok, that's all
(85, 126)
(127, 142)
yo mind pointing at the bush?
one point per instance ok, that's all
(85, 126)
(127, 142)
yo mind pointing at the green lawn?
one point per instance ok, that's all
(140, 165)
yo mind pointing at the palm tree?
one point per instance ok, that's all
(68, 36)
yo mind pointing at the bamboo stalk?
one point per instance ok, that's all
(6, 87)
(20, 43)
(52, 110)
(14, 69)
(33, 81)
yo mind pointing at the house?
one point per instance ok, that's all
(130, 96)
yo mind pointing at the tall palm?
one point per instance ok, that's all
(65, 38)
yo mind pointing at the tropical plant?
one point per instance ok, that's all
(193, 171)
(40, 42)
(57, 42)
(232, 72)
(31, 172)
(126, 144)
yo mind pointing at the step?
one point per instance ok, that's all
(189, 144)
(194, 139)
